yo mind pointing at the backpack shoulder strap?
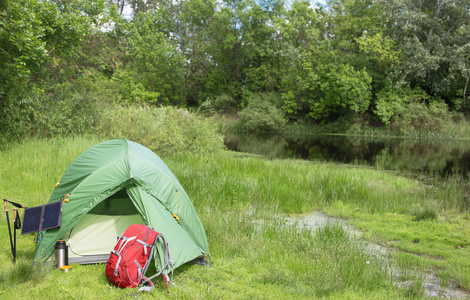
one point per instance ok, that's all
(168, 265)
(168, 262)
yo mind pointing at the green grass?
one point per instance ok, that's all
(254, 254)
(425, 214)
(439, 245)
(30, 169)
(237, 181)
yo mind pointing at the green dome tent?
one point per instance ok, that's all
(111, 186)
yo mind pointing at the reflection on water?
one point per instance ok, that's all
(443, 157)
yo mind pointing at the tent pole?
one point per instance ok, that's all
(15, 215)
(9, 229)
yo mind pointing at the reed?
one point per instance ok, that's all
(240, 181)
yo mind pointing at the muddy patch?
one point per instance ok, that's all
(431, 284)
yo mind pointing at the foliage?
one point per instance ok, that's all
(66, 110)
(39, 41)
(326, 61)
(162, 129)
(460, 65)
(322, 90)
(63, 109)
(379, 48)
(153, 71)
(261, 115)
(390, 102)
(16, 116)
(427, 33)
(222, 102)
(410, 110)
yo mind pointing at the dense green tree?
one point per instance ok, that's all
(39, 41)
(301, 29)
(319, 91)
(153, 70)
(427, 31)
(322, 81)
(460, 68)
(343, 21)
(243, 48)
(119, 4)
(195, 44)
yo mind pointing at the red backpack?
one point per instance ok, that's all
(132, 255)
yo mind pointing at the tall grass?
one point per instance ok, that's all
(272, 260)
(234, 194)
(231, 181)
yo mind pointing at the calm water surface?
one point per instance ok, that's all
(444, 157)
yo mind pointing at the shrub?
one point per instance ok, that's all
(16, 112)
(275, 99)
(261, 115)
(224, 102)
(220, 103)
(63, 109)
(418, 116)
(132, 92)
(411, 110)
(67, 110)
(162, 129)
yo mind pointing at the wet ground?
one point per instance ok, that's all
(431, 284)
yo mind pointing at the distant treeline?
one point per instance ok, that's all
(402, 63)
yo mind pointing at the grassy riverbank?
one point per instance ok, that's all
(256, 255)
(356, 125)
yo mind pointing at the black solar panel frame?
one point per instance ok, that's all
(50, 216)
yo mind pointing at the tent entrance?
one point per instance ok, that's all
(95, 235)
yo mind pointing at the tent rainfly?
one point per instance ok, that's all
(111, 186)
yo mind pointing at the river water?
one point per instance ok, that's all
(429, 156)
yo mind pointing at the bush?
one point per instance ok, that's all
(419, 117)
(132, 92)
(409, 110)
(261, 115)
(16, 113)
(224, 102)
(163, 129)
(64, 109)
(275, 99)
(220, 103)
(68, 110)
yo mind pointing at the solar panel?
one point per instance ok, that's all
(42, 217)
(31, 219)
(52, 215)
